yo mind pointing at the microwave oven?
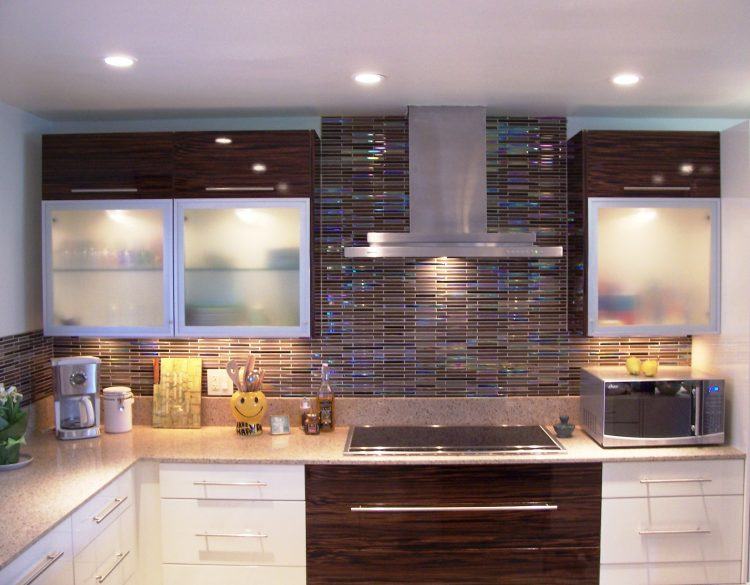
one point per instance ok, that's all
(679, 406)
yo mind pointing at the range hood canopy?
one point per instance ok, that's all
(448, 194)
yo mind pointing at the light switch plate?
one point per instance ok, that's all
(219, 383)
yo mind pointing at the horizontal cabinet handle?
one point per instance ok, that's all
(222, 189)
(678, 480)
(232, 483)
(429, 509)
(100, 517)
(114, 190)
(675, 531)
(653, 188)
(231, 534)
(119, 557)
(41, 567)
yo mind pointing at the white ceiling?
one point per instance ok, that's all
(257, 57)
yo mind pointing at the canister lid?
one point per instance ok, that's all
(117, 392)
(76, 361)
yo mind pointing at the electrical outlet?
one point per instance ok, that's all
(219, 383)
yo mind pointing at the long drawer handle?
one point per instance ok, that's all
(231, 534)
(101, 516)
(116, 190)
(652, 188)
(119, 557)
(233, 483)
(678, 480)
(521, 508)
(676, 531)
(222, 189)
(43, 565)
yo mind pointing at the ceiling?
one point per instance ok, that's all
(262, 57)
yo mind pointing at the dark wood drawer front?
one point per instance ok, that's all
(655, 164)
(254, 164)
(424, 515)
(563, 566)
(107, 166)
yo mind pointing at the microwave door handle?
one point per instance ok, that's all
(697, 426)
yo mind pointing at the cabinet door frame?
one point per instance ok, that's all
(166, 329)
(305, 270)
(714, 322)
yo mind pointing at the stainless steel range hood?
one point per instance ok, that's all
(448, 194)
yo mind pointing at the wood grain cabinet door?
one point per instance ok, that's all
(656, 164)
(107, 166)
(513, 524)
(244, 164)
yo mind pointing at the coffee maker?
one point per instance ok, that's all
(76, 385)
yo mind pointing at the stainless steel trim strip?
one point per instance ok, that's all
(652, 188)
(119, 557)
(222, 189)
(678, 480)
(41, 567)
(429, 509)
(231, 535)
(115, 190)
(111, 507)
(675, 531)
(232, 483)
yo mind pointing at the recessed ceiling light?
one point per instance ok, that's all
(223, 140)
(119, 61)
(626, 79)
(366, 78)
(259, 168)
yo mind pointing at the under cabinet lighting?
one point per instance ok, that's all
(120, 61)
(259, 168)
(626, 79)
(223, 140)
(368, 78)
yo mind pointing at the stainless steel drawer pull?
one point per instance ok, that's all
(119, 557)
(653, 188)
(232, 483)
(521, 508)
(678, 480)
(116, 190)
(676, 531)
(42, 566)
(101, 516)
(222, 189)
(231, 534)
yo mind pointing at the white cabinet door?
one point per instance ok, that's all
(49, 561)
(243, 267)
(710, 573)
(653, 266)
(111, 558)
(108, 268)
(232, 575)
(233, 532)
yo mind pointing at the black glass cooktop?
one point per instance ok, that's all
(449, 440)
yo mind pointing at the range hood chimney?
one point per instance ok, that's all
(448, 194)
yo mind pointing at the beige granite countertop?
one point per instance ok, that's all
(64, 475)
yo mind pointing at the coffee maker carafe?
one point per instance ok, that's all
(76, 385)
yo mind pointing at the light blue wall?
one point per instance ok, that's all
(182, 124)
(576, 124)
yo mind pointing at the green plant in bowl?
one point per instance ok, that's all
(13, 422)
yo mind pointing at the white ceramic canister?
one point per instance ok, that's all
(118, 409)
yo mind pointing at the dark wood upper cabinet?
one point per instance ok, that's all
(107, 166)
(514, 524)
(653, 163)
(245, 164)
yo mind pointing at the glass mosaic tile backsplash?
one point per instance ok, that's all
(401, 327)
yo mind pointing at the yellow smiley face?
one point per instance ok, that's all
(248, 407)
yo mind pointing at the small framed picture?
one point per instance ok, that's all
(279, 424)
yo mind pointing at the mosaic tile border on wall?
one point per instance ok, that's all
(403, 327)
(25, 363)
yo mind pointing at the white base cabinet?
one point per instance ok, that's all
(49, 561)
(672, 523)
(233, 524)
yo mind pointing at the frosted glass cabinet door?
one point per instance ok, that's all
(653, 266)
(108, 268)
(243, 267)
